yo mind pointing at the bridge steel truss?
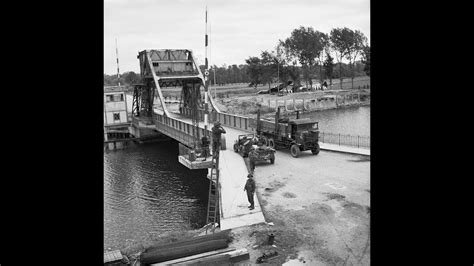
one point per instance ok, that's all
(163, 68)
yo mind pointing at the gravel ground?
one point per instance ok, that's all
(319, 207)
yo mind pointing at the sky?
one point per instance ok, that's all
(237, 29)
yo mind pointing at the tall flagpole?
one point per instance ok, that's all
(118, 70)
(212, 68)
(206, 85)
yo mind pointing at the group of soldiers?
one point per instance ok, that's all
(217, 130)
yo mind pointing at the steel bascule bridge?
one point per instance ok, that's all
(227, 171)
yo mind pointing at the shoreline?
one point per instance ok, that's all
(248, 107)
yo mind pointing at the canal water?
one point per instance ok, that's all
(349, 120)
(147, 192)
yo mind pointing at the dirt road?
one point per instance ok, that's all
(320, 208)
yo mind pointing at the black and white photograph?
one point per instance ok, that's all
(237, 132)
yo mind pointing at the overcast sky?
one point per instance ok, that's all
(237, 29)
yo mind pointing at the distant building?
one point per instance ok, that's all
(115, 106)
(116, 118)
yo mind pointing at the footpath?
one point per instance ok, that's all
(344, 149)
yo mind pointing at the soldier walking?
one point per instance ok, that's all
(217, 130)
(250, 188)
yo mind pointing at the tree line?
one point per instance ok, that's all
(305, 55)
(320, 55)
(240, 74)
(126, 79)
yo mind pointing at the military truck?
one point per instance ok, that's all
(300, 134)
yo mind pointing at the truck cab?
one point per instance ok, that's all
(305, 134)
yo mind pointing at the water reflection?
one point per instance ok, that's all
(351, 120)
(148, 192)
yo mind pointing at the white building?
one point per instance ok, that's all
(115, 106)
(116, 118)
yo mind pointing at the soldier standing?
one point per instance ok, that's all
(247, 145)
(217, 130)
(205, 147)
(252, 159)
(250, 188)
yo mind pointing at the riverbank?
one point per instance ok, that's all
(309, 102)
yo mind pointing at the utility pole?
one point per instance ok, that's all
(206, 86)
(118, 70)
(210, 56)
(215, 87)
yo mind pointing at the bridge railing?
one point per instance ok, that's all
(231, 120)
(182, 131)
(345, 139)
(186, 111)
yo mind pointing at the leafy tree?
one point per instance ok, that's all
(279, 58)
(366, 59)
(329, 67)
(341, 44)
(325, 42)
(306, 44)
(254, 70)
(289, 69)
(357, 41)
(269, 67)
(131, 77)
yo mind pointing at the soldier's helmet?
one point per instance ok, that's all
(217, 123)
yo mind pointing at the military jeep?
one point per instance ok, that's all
(261, 153)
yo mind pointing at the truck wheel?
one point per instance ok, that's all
(236, 147)
(295, 150)
(271, 143)
(315, 151)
